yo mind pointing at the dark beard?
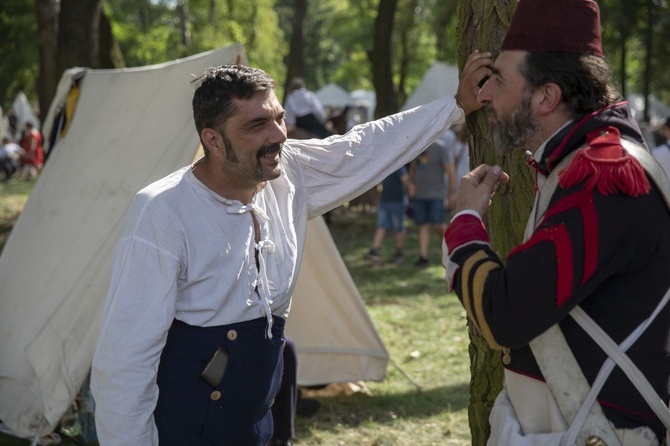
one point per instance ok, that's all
(513, 132)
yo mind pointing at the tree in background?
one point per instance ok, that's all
(295, 60)
(381, 59)
(18, 51)
(338, 39)
(70, 33)
(482, 26)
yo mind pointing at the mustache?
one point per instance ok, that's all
(490, 112)
(270, 148)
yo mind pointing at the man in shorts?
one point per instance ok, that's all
(427, 173)
(396, 189)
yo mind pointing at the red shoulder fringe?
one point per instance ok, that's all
(605, 165)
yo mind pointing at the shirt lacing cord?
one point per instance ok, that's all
(263, 288)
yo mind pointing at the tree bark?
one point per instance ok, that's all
(110, 53)
(295, 61)
(649, 49)
(482, 25)
(184, 26)
(46, 12)
(382, 59)
(78, 34)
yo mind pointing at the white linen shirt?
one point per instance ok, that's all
(187, 253)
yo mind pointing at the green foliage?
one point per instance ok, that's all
(338, 38)
(149, 32)
(18, 51)
(254, 24)
(624, 24)
(13, 196)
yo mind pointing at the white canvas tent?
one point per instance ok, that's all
(440, 79)
(23, 112)
(131, 127)
(332, 95)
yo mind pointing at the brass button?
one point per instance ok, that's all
(232, 335)
(215, 396)
(595, 440)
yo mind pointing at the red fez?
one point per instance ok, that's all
(571, 26)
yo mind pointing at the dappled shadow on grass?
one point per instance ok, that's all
(352, 411)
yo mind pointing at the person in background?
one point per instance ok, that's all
(428, 173)
(457, 141)
(33, 152)
(304, 110)
(460, 151)
(600, 251)
(192, 335)
(391, 211)
(662, 151)
(289, 401)
(10, 157)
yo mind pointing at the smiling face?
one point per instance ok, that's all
(252, 140)
(509, 105)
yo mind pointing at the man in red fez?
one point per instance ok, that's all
(597, 245)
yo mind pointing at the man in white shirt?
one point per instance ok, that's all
(304, 110)
(208, 257)
(662, 152)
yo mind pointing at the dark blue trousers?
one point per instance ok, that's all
(191, 412)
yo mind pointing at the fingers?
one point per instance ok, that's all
(478, 186)
(478, 62)
(477, 68)
(492, 178)
(489, 176)
(479, 173)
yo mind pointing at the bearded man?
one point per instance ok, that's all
(597, 245)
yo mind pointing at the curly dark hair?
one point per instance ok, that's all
(213, 98)
(585, 80)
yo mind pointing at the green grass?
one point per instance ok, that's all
(13, 195)
(423, 328)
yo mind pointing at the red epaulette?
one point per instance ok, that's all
(605, 165)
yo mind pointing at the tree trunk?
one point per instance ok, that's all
(622, 66)
(110, 53)
(78, 34)
(184, 26)
(46, 12)
(381, 59)
(212, 11)
(406, 48)
(295, 63)
(482, 25)
(648, 48)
